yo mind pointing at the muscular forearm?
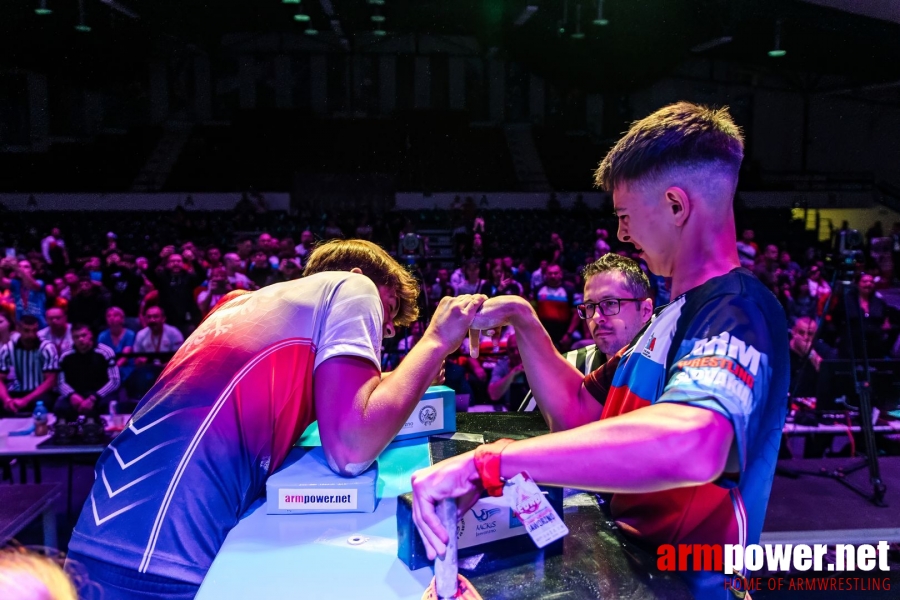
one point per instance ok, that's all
(497, 388)
(382, 410)
(555, 383)
(45, 386)
(674, 446)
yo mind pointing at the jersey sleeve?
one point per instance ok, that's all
(6, 357)
(49, 358)
(352, 323)
(723, 365)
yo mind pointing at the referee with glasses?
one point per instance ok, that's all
(28, 370)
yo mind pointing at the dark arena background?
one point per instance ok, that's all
(159, 158)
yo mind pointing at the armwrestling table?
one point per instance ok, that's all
(309, 556)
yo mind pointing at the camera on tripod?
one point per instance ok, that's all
(847, 257)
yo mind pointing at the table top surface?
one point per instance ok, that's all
(21, 504)
(268, 555)
(309, 555)
(27, 445)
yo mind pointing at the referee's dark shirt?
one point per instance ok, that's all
(25, 369)
(94, 372)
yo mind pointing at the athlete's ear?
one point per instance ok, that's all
(646, 309)
(678, 202)
(356, 270)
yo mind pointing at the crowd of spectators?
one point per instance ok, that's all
(146, 284)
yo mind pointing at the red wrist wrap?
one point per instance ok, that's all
(487, 462)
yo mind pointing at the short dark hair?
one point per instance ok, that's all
(635, 279)
(678, 135)
(80, 326)
(29, 320)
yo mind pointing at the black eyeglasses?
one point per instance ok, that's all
(608, 307)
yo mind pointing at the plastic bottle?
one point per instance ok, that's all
(40, 419)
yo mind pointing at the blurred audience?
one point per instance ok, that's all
(28, 370)
(88, 376)
(58, 331)
(158, 336)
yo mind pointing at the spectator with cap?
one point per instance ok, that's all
(88, 376)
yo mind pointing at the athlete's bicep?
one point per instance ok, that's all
(723, 365)
(342, 386)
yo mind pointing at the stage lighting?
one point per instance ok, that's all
(776, 51)
(42, 9)
(311, 31)
(600, 20)
(378, 18)
(376, 2)
(713, 43)
(380, 32)
(290, 1)
(578, 35)
(82, 24)
(301, 18)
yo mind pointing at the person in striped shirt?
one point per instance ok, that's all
(28, 370)
(88, 377)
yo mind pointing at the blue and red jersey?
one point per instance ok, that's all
(222, 417)
(720, 346)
